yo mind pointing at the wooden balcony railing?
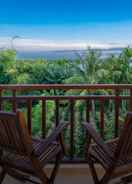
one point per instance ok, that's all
(100, 102)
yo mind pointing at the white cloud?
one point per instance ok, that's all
(36, 44)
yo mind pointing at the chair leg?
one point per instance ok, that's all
(17, 175)
(93, 171)
(39, 171)
(105, 179)
(56, 167)
(2, 175)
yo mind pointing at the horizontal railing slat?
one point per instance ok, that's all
(23, 87)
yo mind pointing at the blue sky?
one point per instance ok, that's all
(49, 12)
(68, 20)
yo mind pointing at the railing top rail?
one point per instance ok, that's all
(24, 87)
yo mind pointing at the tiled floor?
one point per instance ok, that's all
(67, 175)
(61, 180)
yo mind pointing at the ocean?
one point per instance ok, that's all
(62, 54)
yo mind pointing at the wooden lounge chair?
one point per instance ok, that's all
(114, 156)
(21, 155)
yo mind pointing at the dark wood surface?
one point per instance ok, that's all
(114, 156)
(21, 155)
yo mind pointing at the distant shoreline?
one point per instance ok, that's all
(63, 54)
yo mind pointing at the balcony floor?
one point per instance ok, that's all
(61, 179)
(67, 175)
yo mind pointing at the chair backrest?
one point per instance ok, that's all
(124, 147)
(14, 136)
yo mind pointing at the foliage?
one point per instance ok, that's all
(37, 118)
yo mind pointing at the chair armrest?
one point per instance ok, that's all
(56, 132)
(55, 135)
(96, 137)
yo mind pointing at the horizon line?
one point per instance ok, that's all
(24, 44)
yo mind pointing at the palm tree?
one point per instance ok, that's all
(86, 68)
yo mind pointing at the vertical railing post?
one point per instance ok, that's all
(57, 121)
(102, 117)
(0, 99)
(72, 103)
(29, 115)
(56, 112)
(43, 121)
(117, 105)
(14, 104)
(130, 101)
(88, 107)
